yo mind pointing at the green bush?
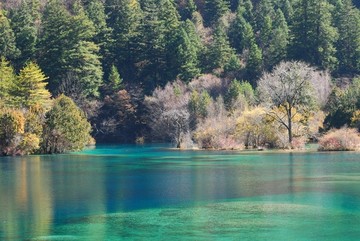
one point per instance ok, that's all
(66, 127)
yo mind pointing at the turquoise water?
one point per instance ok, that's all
(154, 193)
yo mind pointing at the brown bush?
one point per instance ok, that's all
(217, 131)
(212, 84)
(298, 143)
(344, 139)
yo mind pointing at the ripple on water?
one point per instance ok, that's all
(220, 221)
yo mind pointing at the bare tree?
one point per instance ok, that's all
(71, 87)
(168, 112)
(295, 87)
(214, 85)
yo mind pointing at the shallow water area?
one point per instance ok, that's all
(154, 193)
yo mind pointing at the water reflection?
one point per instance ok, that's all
(41, 196)
(26, 201)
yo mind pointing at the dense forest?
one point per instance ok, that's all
(218, 73)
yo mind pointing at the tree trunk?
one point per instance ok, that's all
(289, 125)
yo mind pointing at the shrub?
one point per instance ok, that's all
(66, 127)
(344, 139)
(217, 131)
(298, 143)
(29, 144)
(255, 129)
(12, 124)
(211, 84)
(355, 120)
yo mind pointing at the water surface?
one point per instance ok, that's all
(154, 193)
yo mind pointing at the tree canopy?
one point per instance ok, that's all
(296, 88)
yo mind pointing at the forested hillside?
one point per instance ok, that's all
(175, 69)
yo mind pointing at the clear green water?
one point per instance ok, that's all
(153, 193)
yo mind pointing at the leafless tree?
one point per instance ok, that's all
(295, 87)
(168, 112)
(71, 87)
(214, 85)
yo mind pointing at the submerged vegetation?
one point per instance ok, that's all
(222, 74)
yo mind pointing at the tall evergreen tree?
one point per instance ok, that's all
(254, 62)
(31, 87)
(247, 7)
(23, 23)
(157, 43)
(54, 42)
(83, 60)
(241, 33)
(220, 51)
(265, 37)
(348, 44)
(7, 79)
(264, 12)
(7, 38)
(286, 6)
(278, 45)
(214, 10)
(68, 55)
(124, 18)
(194, 37)
(95, 10)
(188, 58)
(313, 33)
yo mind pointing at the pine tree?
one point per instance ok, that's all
(188, 58)
(24, 25)
(124, 18)
(266, 37)
(95, 10)
(68, 55)
(7, 38)
(220, 50)
(7, 79)
(348, 44)
(214, 10)
(30, 87)
(264, 13)
(157, 43)
(233, 64)
(84, 60)
(246, 7)
(239, 89)
(85, 69)
(241, 33)
(278, 45)
(194, 37)
(313, 34)
(54, 42)
(254, 62)
(115, 82)
(286, 7)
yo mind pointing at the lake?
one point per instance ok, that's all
(155, 193)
